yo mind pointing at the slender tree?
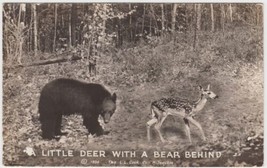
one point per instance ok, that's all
(162, 18)
(70, 30)
(73, 23)
(258, 14)
(186, 20)
(222, 16)
(104, 19)
(30, 35)
(173, 17)
(130, 23)
(198, 17)
(143, 21)
(153, 15)
(231, 12)
(21, 26)
(55, 29)
(150, 25)
(35, 28)
(195, 26)
(20, 8)
(212, 17)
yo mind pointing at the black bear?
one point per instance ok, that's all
(68, 96)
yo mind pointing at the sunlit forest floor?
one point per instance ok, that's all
(231, 63)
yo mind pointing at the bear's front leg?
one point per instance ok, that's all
(93, 126)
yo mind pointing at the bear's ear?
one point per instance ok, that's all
(114, 97)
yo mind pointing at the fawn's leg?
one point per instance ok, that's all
(187, 129)
(194, 122)
(158, 126)
(148, 126)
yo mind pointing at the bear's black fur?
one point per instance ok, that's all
(68, 96)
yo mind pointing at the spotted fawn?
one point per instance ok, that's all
(184, 108)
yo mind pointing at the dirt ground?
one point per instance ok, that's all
(228, 122)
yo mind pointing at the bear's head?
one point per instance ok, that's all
(108, 107)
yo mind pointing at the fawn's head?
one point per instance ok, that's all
(207, 93)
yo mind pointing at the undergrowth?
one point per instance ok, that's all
(230, 53)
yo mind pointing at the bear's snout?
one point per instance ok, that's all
(106, 117)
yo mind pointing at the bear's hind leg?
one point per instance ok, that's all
(48, 129)
(58, 126)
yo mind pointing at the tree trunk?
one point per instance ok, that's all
(73, 23)
(62, 21)
(55, 30)
(53, 60)
(150, 25)
(186, 21)
(135, 31)
(143, 21)
(104, 19)
(150, 19)
(173, 21)
(70, 39)
(120, 36)
(22, 11)
(162, 18)
(24, 8)
(259, 14)
(198, 17)
(31, 30)
(212, 17)
(222, 16)
(256, 15)
(195, 27)
(130, 23)
(155, 27)
(231, 12)
(20, 8)
(35, 29)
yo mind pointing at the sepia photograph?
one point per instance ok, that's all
(133, 84)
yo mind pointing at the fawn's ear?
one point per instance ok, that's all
(200, 88)
(208, 88)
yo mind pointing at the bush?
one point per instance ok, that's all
(169, 59)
